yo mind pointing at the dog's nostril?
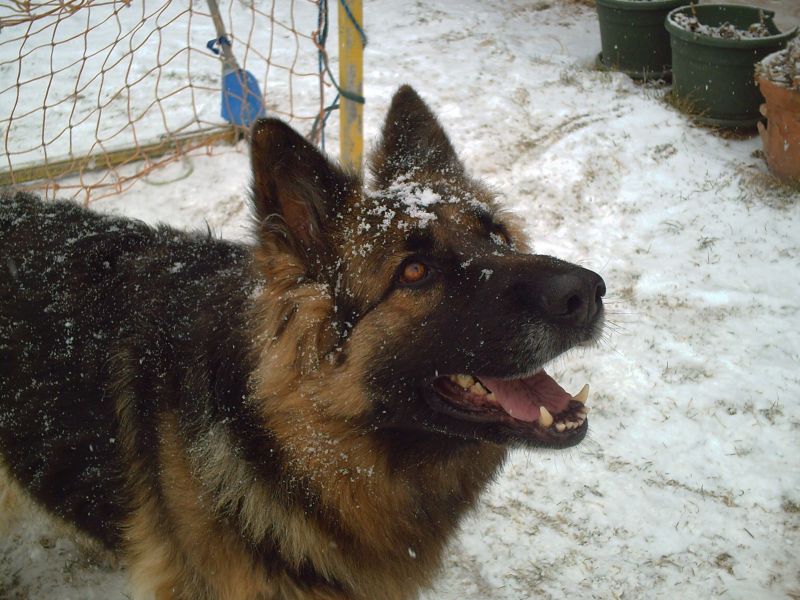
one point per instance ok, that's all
(600, 292)
(574, 304)
(574, 297)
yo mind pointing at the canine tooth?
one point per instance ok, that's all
(583, 395)
(545, 418)
(465, 381)
(478, 389)
(491, 396)
(560, 426)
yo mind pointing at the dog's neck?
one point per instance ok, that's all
(352, 503)
(390, 500)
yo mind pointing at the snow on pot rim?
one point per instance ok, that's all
(641, 4)
(775, 67)
(708, 12)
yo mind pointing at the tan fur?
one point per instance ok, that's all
(12, 500)
(313, 406)
(195, 543)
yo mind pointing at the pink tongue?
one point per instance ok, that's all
(521, 398)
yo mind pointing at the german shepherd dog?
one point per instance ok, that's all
(306, 417)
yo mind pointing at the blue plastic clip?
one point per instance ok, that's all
(212, 44)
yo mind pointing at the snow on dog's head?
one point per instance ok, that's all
(436, 316)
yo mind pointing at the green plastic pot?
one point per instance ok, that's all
(713, 77)
(633, 37)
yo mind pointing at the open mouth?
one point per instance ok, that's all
(535, 407)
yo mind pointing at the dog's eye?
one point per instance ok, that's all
(413, 272)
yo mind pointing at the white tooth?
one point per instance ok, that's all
(582, 415)
(583, 395)
(491, 396)
(560, 426)
(571, 425)
(545, 418)
(478, 389)
(465, 381)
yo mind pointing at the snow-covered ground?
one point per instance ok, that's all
(689, 482)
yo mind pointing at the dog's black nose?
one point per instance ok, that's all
(574, 297)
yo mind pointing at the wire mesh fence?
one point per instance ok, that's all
(106, 91)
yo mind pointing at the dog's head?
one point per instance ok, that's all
(442, 319)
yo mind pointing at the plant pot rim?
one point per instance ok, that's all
(763, 77)
(705, 40)
(643, 5)
(762, 70)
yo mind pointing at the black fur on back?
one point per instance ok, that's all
(81, 296)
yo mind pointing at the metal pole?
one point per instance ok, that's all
(351, 78)
(227, 53)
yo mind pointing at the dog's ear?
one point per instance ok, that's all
(412, 141)
(295, 188)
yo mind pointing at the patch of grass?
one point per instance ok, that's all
(756, 185)
(537, 6)
(649, 83)
(569, 77)
(725, 497)
(663, 151)
(688, 107)
(724, 561)
(773, 413)
(790, 506)
(743, 133)
(683, 105)
(706, 242)
(627, 294)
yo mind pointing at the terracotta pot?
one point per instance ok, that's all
(781, 136)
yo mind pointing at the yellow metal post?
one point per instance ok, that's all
(351, 79)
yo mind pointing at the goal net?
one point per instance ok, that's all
(108, 90)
